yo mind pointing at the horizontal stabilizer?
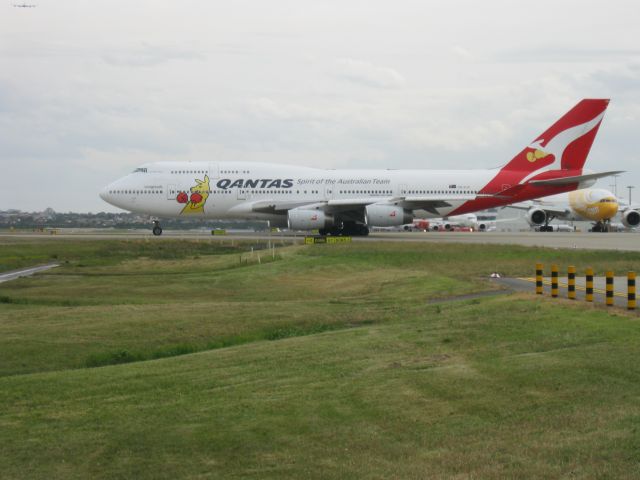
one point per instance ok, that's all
(574, 179)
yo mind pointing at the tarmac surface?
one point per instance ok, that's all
(626, 241)
(599, 292)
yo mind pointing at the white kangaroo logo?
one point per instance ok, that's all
(558, 144)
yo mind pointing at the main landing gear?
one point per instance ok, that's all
(601, 226)
(348, 229)
(157, 229)
(546, 227)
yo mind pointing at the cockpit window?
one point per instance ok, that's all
(144, 170)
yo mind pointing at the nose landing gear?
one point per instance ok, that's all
(157, 229)
(602, 226)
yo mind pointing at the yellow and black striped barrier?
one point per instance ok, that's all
(609, 291)
(631, 290)
(589, 285)
(609, 288)
(554, 280)
(539, 290)
(571, 282)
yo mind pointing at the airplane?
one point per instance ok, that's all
(595, 204)
(348, 202)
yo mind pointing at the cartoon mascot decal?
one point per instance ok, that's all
(195, 202)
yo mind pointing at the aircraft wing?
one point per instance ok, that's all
(427, 203)
(277, 206)
(354, 207)
(575, 179)
(626, 206)
(554, 210)
(431, 203)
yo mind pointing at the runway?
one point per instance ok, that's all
(582, 240)
(627, 241)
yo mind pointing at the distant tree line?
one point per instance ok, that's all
(51, 219)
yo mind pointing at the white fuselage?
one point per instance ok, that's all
(166, 189)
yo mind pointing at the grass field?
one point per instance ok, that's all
(323, 362)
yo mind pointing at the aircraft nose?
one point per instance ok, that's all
(104, 194)
(609, 210)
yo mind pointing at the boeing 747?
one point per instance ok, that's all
(350, 201)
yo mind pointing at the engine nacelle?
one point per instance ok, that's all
(482, 227)
(536, 217)
(631, 218)
(298, 219)
(387, 216)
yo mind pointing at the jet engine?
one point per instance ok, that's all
(631, 218)
(536, 216)
(308, 219)
(387, 216)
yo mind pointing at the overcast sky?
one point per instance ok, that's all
(91, 89)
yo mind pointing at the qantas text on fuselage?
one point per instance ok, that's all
(349, 201)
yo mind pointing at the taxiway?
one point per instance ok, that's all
(627, 241)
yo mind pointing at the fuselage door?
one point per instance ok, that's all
(328, 192)
(171, 192)
(214, 170)
(242, 194)
(402, 190)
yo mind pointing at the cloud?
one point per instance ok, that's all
(87, 94)
(365, 73)
(565, 54)
(149, 55)
(461, 52)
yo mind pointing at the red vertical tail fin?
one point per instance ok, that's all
(552, 163)
(566, 144)
(563, 146)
